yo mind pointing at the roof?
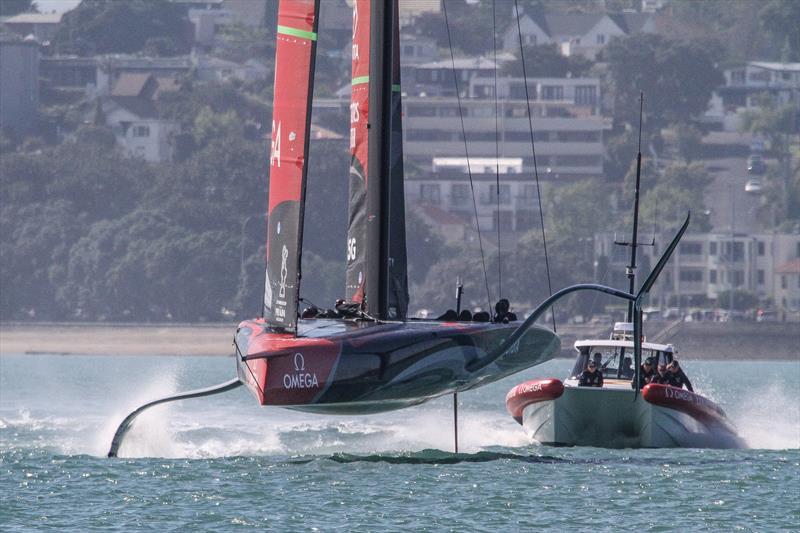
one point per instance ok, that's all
(773, 65)
(461, 62)
(35, 18)
(791, 267)
(130, 84)
(619, 344)
(571, 24)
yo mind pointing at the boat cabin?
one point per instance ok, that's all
(614, 356)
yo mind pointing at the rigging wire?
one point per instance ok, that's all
(466, 152)
(535, 168)
(497, 157)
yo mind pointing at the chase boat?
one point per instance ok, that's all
(617, 415)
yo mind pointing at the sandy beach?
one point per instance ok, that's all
(112, 339)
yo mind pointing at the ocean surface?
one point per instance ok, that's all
(223, 463)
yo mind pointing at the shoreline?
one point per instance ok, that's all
(697, 341)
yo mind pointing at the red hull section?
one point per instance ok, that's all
(684, 401)
(534, 391)
(348, 366)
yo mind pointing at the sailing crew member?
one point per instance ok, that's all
(662, 377)
(678, 377)
(646, 373)
(503, 312)
(591, 377)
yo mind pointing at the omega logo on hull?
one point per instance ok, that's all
(300, 379)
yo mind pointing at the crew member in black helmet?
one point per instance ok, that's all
(661, 377)
(646, 373)
(503, 312)
(677, 376)
(591, 377)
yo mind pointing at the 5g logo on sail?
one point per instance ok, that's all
(351, 249)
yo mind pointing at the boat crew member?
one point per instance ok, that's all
(627, 368)
(503, 312)
(591, 377)
(678, 377)
(597, 358)
(662, 377)
(646, 373)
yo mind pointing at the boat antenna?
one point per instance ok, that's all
(466, 152)
(535, 167)
(497, 157)
(630, 270)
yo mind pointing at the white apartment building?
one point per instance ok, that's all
(745, 83)
(567, 131)
(707, 264)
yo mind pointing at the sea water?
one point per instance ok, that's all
(223, 463)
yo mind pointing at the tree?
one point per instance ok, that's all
(545, 60)
(9, 8)
(677, 78)
(690, 141)
(108, 26)
(781, 19)
(678, 190)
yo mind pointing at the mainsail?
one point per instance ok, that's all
(376, 70)
(291, 117)
(359, 152)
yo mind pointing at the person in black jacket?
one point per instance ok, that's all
(662, 377)
(646, 373)
(677, 377)
(591, 377)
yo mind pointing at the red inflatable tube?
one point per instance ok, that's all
(684, 401)
(534, 391)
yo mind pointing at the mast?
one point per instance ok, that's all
(631, 270)
(288, 161)
(380, 94)
(376, 274)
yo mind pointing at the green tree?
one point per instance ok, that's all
(677, 78)
(108, 26)
(545, 60)
(9, 8)
(781, 19)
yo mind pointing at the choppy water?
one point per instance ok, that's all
(223, 463)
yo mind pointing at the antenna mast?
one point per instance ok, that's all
(631, 270)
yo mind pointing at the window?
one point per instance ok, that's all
(738, 278)
(502, 220)
(429, 193)
(552, 92)
(712, 277)
(712, 248)
(141, 131)
(760, 277)
(691, 248)
(797, 251)
(691, 276)
(586, 95)
(601, 39)
(459, 194)
(760, 247)
(505, 194)
(784, 282)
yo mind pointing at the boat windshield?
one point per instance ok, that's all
(616, 362)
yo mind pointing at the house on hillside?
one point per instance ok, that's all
(584, 34)
(744, 85)
(131, 113)
(43, 26)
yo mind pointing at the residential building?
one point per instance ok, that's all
(567, 131)
(706, 265)
(19, 84)
(43, 26)
(584, 34)
(745, 83)
(131, 113)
